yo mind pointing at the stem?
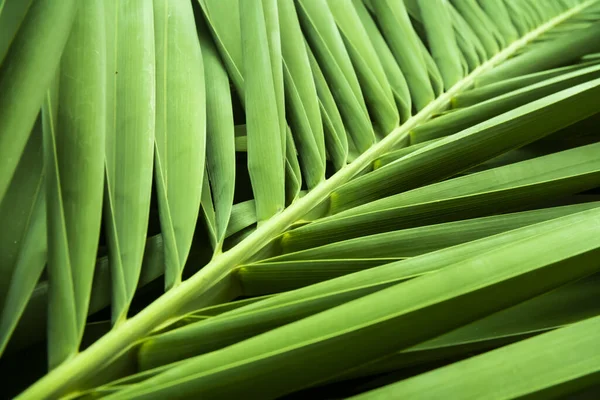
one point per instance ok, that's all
(66, 376)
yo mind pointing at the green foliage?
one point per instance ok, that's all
(256, 199)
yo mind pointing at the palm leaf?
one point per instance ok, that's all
(440, 35)
(301, 97)
(220, 141)
(74, 137)
(22, 85)
(380, 183)
(23, 248)
(180, 130)
(427, 298)
(334, 60)
(536, 370)
(131, 78)
(12, 14)
(512, 129)
(276, 311)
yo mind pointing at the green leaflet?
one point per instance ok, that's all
(298, 269)
(498, 13)
(301, 97)
(129, 157)
(517, 17)
(224, 23)
(437, 83)
(74, 136)
(521, 369)
(242, 216)
(281, 276)
(468, 40)
(440, 35)
(482, 26)
(404, 43)
(208, 211)
(39, 41)
(336, 140)
(12, 14)
(394, 155)
(220, 140)
(371, 75)
(577, 134)
(471, 146)
(555, 53)
(424, 239)
(470, 58)
(293, 175)
(329, 50)
(264, 105)
(27, 270)
(22, 248)
(32, 325)
(375, 320)
(16, 207)
(492, 191)
(392, 71)
(464, 118)
(563, 306)
(180, 140)
(481, 94)
(223, 20)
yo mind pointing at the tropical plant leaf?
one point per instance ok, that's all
(301, 97)
(405, 45)
(510, 130)
(336, 140)
(12, 14)
(482, 26)
(424, 239)
(222, 17)
(264, 105)
(276, 311)
(440, 35)
(498, 269)
(129, 158)
(22, 83)
(360, 189)
(32, 324)
(180, 130)
(22, 248)
(547, 55)
(492, 90)
(208, 211)
(392, 70)
(371, 75)
(524, 368)
(499, 13)
(75, 121)
(462, 119)
(532, 317)
(334, 60)
(493, 191)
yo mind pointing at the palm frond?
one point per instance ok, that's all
(299, 198)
